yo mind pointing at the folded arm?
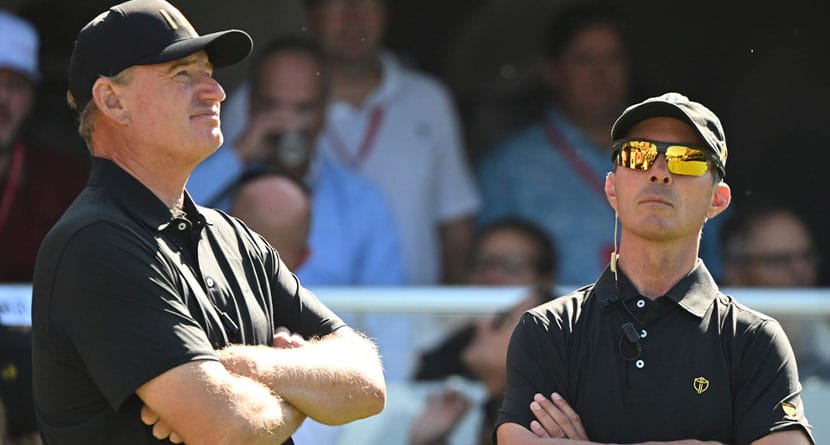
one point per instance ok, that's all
(202, 403)
(334, 380)
(558, 424)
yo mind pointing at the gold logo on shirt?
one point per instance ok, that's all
(789, 409)
(700, 384)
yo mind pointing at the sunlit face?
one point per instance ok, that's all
(174, 107)
(16, 97)
(779, 253)
(591, 76)
(656, 204)
(505, 257)
(348, 30)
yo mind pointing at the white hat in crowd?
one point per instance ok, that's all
(18, 45)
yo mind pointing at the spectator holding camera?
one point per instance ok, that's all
(353, 239)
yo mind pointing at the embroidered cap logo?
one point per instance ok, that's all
(175, 19)
(701, 384)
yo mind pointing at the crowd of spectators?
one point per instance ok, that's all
(387, 186)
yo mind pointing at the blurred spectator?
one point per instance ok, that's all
(399, 128)
(485, 356)
(552, 172)
(512, 252)
(278, 208)
(508, 252)
(353, 236)
(491, 64)
(769, 245)
(37, 184)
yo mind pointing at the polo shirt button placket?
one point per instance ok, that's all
(641, 304)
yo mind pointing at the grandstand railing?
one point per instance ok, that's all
(449, 302)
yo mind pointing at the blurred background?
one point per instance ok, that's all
(762, 67)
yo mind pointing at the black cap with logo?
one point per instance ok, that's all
(143, 32)
(678, 106)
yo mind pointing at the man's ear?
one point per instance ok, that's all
(107, 97)
(610, 190)
(721, 197)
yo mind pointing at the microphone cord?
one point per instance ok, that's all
(631, 333)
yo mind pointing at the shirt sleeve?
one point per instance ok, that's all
(121, 312)
(295, 307)
(767, 391)
(535, 349)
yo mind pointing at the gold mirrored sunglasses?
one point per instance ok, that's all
(640, 154)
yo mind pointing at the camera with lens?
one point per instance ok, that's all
(290, 149)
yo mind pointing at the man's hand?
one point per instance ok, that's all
(252, 144)
(439, 417)
(161, 430)
(555, 419)
(284, 339)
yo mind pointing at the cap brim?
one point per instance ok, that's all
(223, 48)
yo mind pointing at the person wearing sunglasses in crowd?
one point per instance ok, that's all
(653, 351)
(767, 244)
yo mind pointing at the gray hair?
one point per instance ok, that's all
(86, 124)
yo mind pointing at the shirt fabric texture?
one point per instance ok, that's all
(124, 292)
(709, 367)
(527, 176)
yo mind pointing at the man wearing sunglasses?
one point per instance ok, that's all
(652, 351)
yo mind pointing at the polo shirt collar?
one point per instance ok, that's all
(695, 292)
(391, 78)
(133, 197)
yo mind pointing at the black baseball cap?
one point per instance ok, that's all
(143, 32)
(678, 106)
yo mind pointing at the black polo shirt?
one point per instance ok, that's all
(704, 366)
(123, 292)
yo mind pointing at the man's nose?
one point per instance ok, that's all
(659, 171)
(212, 90)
